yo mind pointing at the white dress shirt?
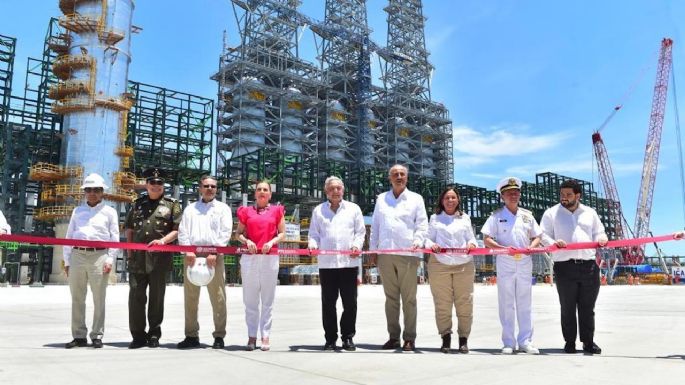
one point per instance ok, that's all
(98, 223)
(451, 231)
(399, 223)
(206, 224)
(581, 225)
(340, 230)
(4, 225)
(509, 229)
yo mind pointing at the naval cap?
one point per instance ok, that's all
(508, 183)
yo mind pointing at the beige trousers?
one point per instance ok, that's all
(217, 297)
(398, 275)
(452, 286)
(85, 269)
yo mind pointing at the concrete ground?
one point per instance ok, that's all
(640, 329)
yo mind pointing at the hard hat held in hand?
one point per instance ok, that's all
(200, 274)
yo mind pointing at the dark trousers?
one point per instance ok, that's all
(578, 287)
(137, 299)
(343, 281)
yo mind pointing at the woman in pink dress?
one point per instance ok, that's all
(260, 228)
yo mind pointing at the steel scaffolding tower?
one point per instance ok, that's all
(418, 130)
(347, 129)
(268, 96)
(7, 49)
(171, 130)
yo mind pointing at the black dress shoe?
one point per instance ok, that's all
(97, 343)
(391, 344)
(463, 346)
(409, 346)
(329, 347)
(218, 343)
(592, 348)
(154, 342)
(446, 343)
(349, 345)
(570, 347)
(189, 342)
(76, 343)
(137, 343)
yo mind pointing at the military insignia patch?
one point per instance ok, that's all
(163, 210)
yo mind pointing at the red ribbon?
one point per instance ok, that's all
(241, 250)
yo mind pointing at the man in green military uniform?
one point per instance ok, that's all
(153, 219)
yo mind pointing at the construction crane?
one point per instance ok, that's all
(656, 122)
(635, 255)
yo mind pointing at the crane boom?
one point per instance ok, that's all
(609, 185)
(656, 122)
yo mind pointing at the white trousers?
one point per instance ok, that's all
(259, 274)
(514, 294)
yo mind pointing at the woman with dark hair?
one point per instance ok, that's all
(451, 274)
(260, 228)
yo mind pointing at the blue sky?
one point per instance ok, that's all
(526, 81)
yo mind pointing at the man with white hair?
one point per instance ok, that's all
(92, 221)
(338, 224)
(399, 222)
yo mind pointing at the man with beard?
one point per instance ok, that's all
(576, 271)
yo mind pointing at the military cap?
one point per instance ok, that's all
(153, 173)
(508, 183)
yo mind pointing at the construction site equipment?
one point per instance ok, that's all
(330, 120)
(635, 255)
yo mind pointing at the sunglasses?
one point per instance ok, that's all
(93, 189)
(156, 182)
(209, 185)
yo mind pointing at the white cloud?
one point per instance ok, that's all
(474, 148)
(577, 168)
(486, 176)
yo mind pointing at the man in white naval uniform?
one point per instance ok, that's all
(515, 227)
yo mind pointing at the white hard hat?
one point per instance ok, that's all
(200, 274)
(94, 180)
(508, 183)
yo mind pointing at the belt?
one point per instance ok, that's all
(89, 248)
(580, 261)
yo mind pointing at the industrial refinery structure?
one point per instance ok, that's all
(278, 116)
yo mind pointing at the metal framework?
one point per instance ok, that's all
(327, 120)
(30, 136)
(299, 179)
(347, 130)
(268, 96)
(7, 49)
(171, 130)
(656, 122)
(418, 130)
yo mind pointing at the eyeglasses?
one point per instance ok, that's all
(209, 185)
(93, 189)
(156, 182)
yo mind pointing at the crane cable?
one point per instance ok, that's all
(680, 147)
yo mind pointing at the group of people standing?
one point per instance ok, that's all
(155, 219)
(400, 230)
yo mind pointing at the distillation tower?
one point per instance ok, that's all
(418, 130)
(91, 94)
